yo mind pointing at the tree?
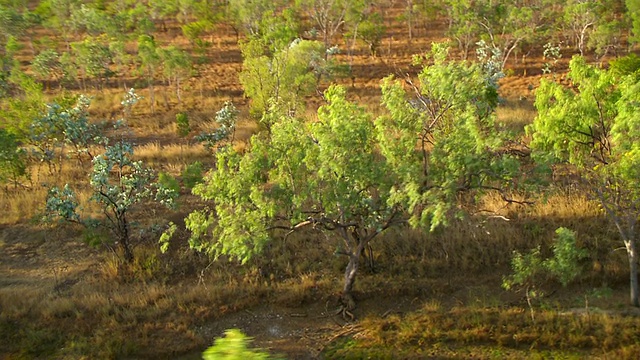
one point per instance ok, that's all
(464, 24)
(118, 185)
(528, 269)
(93, 57)
(246, 15)
(593, 126)
(176, 67)
(280, 82)
(451, 117)
(47, 65)
(328, 16)
(12, 159)
(351, 177)
(324, 175)
(149, 63)
(63, 131)
(581, 17)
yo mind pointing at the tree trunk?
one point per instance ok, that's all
(350, 275)
(633, 271)
(124, 238)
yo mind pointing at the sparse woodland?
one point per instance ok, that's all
(332, 179)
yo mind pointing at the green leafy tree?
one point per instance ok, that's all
(176, 68)
(593, 126)
(581, 17)
(463, 23)
(47, 65)
(93, 57)
(279, 83)
(245, 16)
(56, 15)
(324, 175)
(226, 119)
(530, 269)
(327, 15)
(352, 177)
(452, 115)
(25, 104)
(63, 131)
(150, 61)
(12, 159)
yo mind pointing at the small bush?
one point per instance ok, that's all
(192, 175)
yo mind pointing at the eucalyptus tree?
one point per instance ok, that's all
(352, 176)
(593, 125)
(581, 17)
(119, 185)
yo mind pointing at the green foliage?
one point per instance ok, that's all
(279, 83)
(64, 131)
(565, 263)
(633, 11)
(165, 238)
(12, 158)
(246, 15)
(453, 117)
(551, 52)
(371, 31)
(626, 65)
(93, 57)
(25, 104)
(316, 173)
(526, 269)
(118, 184)
(192, 175)
(166, 181)
(593, 126)
(530, 269)
(182, 124)
(234, 346)
(575, 126)
(47, 64)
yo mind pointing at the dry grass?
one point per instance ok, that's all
(492, 332)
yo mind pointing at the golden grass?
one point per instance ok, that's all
(493, 332)
(170, 156)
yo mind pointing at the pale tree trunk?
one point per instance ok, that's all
(633, 271)
(627, 229)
